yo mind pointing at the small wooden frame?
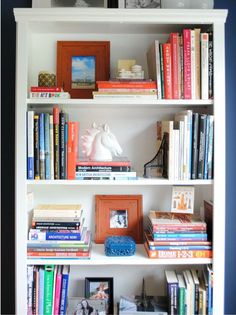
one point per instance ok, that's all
(119, 215)
(80, 64)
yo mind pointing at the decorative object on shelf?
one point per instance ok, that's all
(182, 199)
(81, 306)
(202, 4)
(157, 167)
(140, 4)
(187, 4)
(69, 3)
(99, 144)
(100, 288)
(128, 69)
(120, 246)
(118, 215)
(46, 79)
(80, 64)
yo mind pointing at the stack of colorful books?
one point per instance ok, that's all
(48, 92)
(58, 232)
(174, 235)
(117, 169)
(126, 88)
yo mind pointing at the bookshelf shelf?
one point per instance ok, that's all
(98, 258)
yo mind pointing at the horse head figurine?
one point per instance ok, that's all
(99, 144)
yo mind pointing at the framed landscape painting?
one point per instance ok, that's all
(80, 64)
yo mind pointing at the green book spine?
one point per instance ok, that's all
(162, 71)
(48, 289)
(181, 301)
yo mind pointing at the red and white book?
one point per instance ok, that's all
(58, 254)
(46, 89)
(204, 65)
(187, 63)
(174, 40)
(167, 65)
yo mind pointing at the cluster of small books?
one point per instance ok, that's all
(174, 235)
(190, 292)
(183, 67)
(191, 138)
(117, 169)
(58, 232)
(126, 88)
(47, 288)
(52, 145)
(48, 92)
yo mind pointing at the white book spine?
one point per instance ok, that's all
(176, 154)
(204, 65)
(51, 146)
(193, 65)
(158, 69)
(181, 150)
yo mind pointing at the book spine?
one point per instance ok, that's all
(45, 89)
(58, 254)
(34, 292)
(202, 142)
(210, 66)
(72, 148)
(126, 85)
(30, 145)
(56, 142)
(36, 148)
(47, 236)
(210, 290)
(51, 146)
(41, 290)
(210, 149)
(103, 163)
(189, 144)
(206, 147)
(63, 95)
(101, 168)
(180, 235)
(194, 174)
(47, 147)
(67, 227)
(48, 289)
(193, 65)
(172, 293)
(181, 66)
(57, 293)
(167, 71)
(198, 63)
(62, 144)
(204, 66)
(187, 63)
(181, 301)
(179, 254)
(105, 174)
(64, 290)
(66, 150)
(174, 41)
(54, 288)
(158, 69)
(41, 146)
(162, 71)
(29, 289)
(175, 247)
(181, 150)
(37, 291)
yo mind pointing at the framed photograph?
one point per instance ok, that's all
(102, 289)
(80, 64)
(81, 306)
(182, 199)
(140, 4)
(119, 215)
(69, 3)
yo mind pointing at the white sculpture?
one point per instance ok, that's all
(99, 144)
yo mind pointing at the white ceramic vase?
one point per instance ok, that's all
(175, 4)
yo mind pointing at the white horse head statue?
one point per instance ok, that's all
(99, 144)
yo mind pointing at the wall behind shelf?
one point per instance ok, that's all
(7, 189)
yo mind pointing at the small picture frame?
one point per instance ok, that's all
(80, 64)
(69, 3)
(140, 4)
(118, 215)
(81, 306)
(182, 199)
(100, 288)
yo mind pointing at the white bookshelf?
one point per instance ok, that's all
(130, 33)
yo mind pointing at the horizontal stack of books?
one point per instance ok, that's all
(52, 145)
(47, 289)
(117, 169)
(174, 235)
(48, 92)
(190, 291)
(126, 88)
(183, 66)
(191, 139)
(58, 232)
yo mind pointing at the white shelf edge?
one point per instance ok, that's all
(138, 182)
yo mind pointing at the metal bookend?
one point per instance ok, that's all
(158, 166)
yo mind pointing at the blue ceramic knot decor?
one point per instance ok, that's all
(119, 246)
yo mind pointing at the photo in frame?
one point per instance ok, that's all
(102, 289)
(80, 64)
(118, 215)
(69, 3)
(81, 306)
(140, 4)
(182, 199)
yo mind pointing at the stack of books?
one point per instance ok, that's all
(47, 289)
(117, 169)
(183, 66)
(52, 145)
(48, 92)
(126, 88)
(58, 232)
(174, 235)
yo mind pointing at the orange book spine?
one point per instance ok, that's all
(73, 130)
(174, 40)
(167, 64)
(126, 85)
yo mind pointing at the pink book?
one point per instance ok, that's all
(174, 40)
(187, 63)
(57, 295)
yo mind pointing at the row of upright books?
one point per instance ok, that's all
(190, 292)
(58, 231)
(183, 66)
(47, 289)
(176, 236)
(52, 145)
(190, 149)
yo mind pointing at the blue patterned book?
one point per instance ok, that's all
(41, 146)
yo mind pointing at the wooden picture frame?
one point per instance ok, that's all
(80, 64)
(118, 215)
(100, 288)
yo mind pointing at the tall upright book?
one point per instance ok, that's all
(56, 142)
(48, 289)
(73, 130)
(154, 70)
(30, 145)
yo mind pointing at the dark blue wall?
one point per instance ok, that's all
(7, 158)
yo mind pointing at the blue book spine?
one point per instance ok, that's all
(210, 149)
(179, 247)
(30, 145)
(64, 290)
(41, 290)
(210, 290)
(180, 235)
(47, 146)
(63, 236)
(206, 147)
(41, 146)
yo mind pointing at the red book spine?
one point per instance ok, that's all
(174, 40)
(103, 163)
(58, 254)
(167, 70)
(46, 89)
(72, 148)
(187, 63)
(126, 85)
